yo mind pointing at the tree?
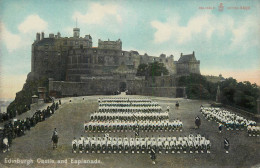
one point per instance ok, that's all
(152, 69)
(239, 94)
(142, 69)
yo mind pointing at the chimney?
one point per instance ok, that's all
(38, 36)
(181, 54)
(42, 35)
(193, 53)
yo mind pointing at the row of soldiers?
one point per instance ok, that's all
(130, 109)
(107, 144)
(226, 118)
(121, 99)
(17, 128)
(128, 116)
(253, 130)
(132, 125)
(129, 104)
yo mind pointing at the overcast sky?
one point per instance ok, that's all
(225, 42)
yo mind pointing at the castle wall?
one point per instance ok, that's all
(160, 91)
(160, 81)
(93, 86)
(106, 86)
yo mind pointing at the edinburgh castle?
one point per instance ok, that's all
(74, 67)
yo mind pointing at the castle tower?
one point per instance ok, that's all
(76, 32)
(42, 35)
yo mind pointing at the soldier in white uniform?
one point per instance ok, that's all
(191, 145)
(154, 143)
(143, 145)
(132, 144)
(98, 144)
(87, 144)
(120, 144)
(74, 145)
(185, 144)
(93, 144)
(114, 144)
(126, 144)
(173, 145)
(160, 144)
(104, 144)
(109, 145)
(81, 144)
(208, 146)
(138, 145)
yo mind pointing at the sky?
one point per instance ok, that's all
(226, 42)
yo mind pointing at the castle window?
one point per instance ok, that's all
(81, 46)
(160, 60)
(123, 53)
(100, 60)
(166, 60)
(95, 51)
(76, 42)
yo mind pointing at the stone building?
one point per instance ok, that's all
(75, 67)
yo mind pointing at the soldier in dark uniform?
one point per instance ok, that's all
(57, 106)
(226, 145)
(197, 122)
(137, 132)
(177, 105)
(220, 128)
(152, 155)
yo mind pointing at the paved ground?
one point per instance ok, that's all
(69, 119)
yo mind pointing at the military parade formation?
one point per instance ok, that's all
(226, 118)
(134, 115)
(131, 116)
(170, 144)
